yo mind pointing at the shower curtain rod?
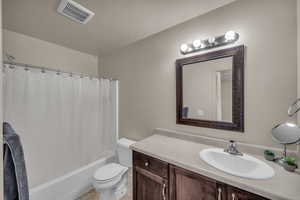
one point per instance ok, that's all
(44, 69)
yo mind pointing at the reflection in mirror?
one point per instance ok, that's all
(207, 90)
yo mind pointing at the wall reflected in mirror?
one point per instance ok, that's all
(207, 90)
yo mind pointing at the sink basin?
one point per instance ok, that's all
(245, 166)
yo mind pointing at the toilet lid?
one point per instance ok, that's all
(109, 171)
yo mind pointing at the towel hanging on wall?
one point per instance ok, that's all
(15, 175)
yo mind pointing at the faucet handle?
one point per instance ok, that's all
(232, 143)
(232, 148)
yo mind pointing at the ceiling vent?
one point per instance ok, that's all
(75, 11)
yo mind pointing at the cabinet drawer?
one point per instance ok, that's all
(148, 163)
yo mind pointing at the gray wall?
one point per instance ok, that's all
(147, 73)
(34, 51)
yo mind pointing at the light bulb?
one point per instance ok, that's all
(202, 45)
(211, 40)
(230, 35)
(197, 43)
(184, 47)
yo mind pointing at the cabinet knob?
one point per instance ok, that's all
(146, 164)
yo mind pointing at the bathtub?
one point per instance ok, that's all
(71, 185)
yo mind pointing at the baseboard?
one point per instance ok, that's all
(69, 186)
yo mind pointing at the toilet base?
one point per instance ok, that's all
(121, 191)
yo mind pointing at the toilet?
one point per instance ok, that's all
(110, 180)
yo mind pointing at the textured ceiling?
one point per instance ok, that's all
(116, 23)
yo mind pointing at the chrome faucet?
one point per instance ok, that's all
(231, 149)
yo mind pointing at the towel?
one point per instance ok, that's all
(185, 112)
(15, 176)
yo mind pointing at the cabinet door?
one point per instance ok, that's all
(148, 186)
(237, 194)
(186, 185)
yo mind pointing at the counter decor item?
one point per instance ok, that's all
(290, 164)
(269, 155)
(287, 133)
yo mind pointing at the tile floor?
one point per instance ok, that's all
(93, 195)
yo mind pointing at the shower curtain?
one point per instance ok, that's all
(65, 122)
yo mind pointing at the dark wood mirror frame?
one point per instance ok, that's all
(237, 123)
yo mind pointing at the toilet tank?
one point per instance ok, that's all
(124, 153)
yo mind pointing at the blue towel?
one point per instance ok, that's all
(15, 176)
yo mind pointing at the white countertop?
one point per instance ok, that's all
(184, 153)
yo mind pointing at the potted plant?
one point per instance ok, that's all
(269, 155)
(290, 163)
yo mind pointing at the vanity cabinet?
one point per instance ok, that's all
(150, 178)
(186, 185)
(154, 179)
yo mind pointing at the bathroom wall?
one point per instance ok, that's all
(146, 70)
(34, 51)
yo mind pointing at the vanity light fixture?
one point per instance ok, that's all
(228, 38)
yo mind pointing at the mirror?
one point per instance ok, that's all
(286, 133)
(210, 89)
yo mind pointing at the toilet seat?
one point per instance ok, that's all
(109, 172)
(111, 180)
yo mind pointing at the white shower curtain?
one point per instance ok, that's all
(64, 122)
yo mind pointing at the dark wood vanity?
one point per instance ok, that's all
(154, 179)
